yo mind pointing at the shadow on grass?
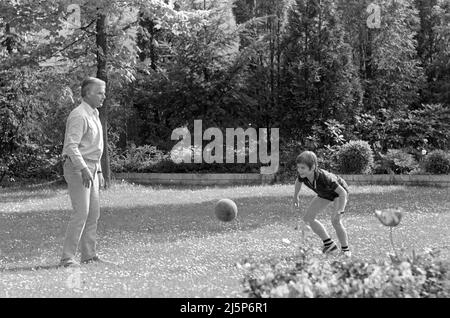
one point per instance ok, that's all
(28, 235)
(18, 197)
(29, 268)
(19, 193)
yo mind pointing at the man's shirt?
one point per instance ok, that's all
(324, 184)
(84, 136)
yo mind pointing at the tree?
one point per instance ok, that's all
(321, 80)
(433, 49)
(389, 67)
(95, 42)
(191, 71)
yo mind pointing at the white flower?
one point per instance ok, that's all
(424, 152)
(286, 241)
(270, 276)
(389, 217)
(281, 291)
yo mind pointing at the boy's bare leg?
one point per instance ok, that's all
(339, 228)
(316, 205)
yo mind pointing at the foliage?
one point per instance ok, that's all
(389, 69)
(32, 115)
(319, 78)
(355, 157)
(311, 68)
(309, 276)
(437, 162)
(136, 159)
(197, 78)
(149, 159)
(427, 127)
(397, 161)
(433, 49)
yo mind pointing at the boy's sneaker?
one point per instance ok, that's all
(327, 249)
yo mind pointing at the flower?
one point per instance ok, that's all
(389, 217)
(286, 241)
(424, 152)
(280, 291)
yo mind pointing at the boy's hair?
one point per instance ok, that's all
(307, 158)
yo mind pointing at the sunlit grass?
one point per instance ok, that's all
(168, 243)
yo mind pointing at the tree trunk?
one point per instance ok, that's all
(102, 50)
(2, 176)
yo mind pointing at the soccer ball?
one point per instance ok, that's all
(226, 210)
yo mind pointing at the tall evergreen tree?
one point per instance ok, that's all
(321, 78)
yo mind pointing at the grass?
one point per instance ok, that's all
(168, 243)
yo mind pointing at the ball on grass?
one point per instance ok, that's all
(226, 210)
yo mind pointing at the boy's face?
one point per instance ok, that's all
(303, 170)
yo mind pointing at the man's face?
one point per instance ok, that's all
(96, 95)
(303, 170)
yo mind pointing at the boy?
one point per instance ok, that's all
(330, 189)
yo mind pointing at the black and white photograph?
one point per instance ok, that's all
(237, 150)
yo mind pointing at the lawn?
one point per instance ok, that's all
(167, 242)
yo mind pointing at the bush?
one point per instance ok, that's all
(309, 276)
(427, 127)
(437, 162)
(137, 159)
(355, 157)
(396, 161)
(149, 159)
(327, 158)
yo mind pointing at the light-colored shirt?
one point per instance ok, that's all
(83, 140)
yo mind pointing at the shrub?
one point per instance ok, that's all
(427, 127)
(309, 276)
(396, 161)
(355, 157)
(149, 159)
(437, 162)
(137, 159)
(327, 158)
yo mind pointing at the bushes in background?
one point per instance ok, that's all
(355, 157)
(437, 162)
(396, 161)
(149, 159)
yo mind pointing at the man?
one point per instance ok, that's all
(83, 148)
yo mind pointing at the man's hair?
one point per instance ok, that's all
(88, 83)
(307, 158)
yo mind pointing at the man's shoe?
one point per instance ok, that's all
(330, 248)
(69, 263)
(97, 260)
